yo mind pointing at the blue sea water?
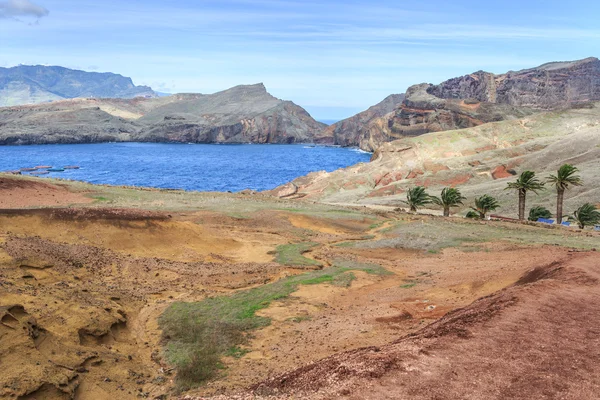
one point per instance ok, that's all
(203, 167)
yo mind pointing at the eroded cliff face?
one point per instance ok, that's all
(475, 99)
(422, 112)
(364, 129)
(547, 87)
(482, 97)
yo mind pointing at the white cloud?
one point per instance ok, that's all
(21, 8)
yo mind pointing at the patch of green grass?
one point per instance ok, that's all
(343, 280)
(198, 334)
(100, 199)
(376, 225)
(345, 244)
(371, 269)
(317, 279)
(409, 284)
(291, 254)
(236, 352)
(440, 234)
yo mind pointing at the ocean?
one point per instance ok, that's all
(202, 167)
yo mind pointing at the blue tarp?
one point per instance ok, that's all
(545, 220)
(566, 223)
(597, 228)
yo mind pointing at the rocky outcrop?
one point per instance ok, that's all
(33, 84)
(422, 112)
(483, 97)
(243, 114)
(363, 129)
(475, 99)
(550, 86)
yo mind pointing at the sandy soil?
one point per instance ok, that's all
(82, 289)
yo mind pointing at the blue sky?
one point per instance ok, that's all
(334, 58)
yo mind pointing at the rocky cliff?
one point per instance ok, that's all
(32, 84)
(243, 114)
(364, 129)
(550, 86)
(479, 98)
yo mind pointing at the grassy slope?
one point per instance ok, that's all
(198, 334)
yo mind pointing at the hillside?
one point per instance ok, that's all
(241, 114)
(478, 160)
(361, 130)
(530, 340)
(119, 293)
(479, 98)
(33, 84)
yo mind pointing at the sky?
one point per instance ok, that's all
(334, 58)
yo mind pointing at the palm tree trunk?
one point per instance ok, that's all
(522, 194)
(560, 193)
(446, 211)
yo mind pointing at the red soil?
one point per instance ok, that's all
(538, 339)
(22, 193)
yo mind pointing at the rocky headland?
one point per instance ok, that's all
(243, 114)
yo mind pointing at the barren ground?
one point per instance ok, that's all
(85, 276)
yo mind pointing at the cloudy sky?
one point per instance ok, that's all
(334, 58)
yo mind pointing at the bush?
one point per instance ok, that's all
(538, 212)
(472, 215)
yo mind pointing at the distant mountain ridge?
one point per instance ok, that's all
(242, 114)
(33, 84)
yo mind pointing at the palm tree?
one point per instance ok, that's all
(451, 197)
(562, 180)
(484, 204)
(586, 215)
(417, 197)
(527, 182)
(538, 212)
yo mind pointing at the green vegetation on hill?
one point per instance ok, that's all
(291, 254)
